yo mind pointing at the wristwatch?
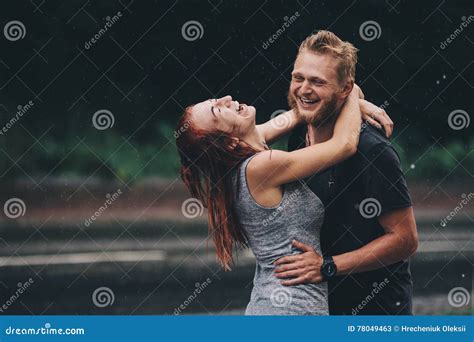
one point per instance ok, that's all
(328, 268)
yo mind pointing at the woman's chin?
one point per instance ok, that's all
(252, 111)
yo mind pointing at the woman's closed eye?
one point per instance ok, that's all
(215, 110)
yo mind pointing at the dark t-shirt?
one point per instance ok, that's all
(355, 192)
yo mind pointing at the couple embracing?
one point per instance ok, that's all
(330, 221)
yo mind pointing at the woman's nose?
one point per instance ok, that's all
(226, 100)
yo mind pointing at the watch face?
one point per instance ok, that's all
(330, 270)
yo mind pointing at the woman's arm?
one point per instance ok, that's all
(278, 126)
(282, 124)
(376, 116)
(280, 167)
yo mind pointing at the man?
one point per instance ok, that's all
(369, 230)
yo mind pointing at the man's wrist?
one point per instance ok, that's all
(328, 268)
(341, 264)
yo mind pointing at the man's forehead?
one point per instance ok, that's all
(307, 61)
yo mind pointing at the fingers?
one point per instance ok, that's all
(372, 121)
(293, 273)
(295, 281)
(303, 279)
(288, 259)
(380, 119)
(302, 246)
(383, 119)
(288, 267)
(388, 124)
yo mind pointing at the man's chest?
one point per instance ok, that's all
(340, 188)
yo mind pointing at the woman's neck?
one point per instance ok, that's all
(255, 140)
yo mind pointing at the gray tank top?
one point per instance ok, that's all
(270, 230)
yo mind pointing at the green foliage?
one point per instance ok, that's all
(438, 161)
(108, 155)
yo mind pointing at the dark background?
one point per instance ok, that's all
(145, 73)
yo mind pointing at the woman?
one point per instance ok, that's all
(254, 195)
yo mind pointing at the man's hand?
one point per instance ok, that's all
(303, 268)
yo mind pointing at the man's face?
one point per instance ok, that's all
(315, 93)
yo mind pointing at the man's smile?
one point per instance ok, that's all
(307, 103)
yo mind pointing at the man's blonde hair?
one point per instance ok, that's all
(325, 42)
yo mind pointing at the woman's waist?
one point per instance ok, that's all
(266, 279)
(273, 292)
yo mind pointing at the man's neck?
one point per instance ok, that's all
(320, 133)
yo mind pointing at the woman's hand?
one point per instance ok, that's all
(376, 116)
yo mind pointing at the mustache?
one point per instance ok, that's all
(325, 114)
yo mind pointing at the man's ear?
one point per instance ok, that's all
(234, 142)
(347, 88)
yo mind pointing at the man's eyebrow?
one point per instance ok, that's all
(316, 78)
(311, 78)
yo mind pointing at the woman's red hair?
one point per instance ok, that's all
(207, 162)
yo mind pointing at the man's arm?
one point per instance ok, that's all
(399, 242)
(383, 181)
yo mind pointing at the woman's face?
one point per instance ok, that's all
(224, 114)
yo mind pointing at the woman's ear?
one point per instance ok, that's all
(234, 142)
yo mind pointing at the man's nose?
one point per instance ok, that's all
(305, 88)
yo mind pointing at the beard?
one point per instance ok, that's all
(328, 111)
